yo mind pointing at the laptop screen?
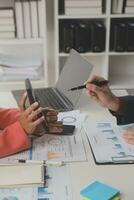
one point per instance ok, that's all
(74, 73)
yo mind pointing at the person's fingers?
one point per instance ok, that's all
(38, 121)
(130, 141)
(128, 135)
(94, 77)
(56, 124)
(52, 119)
(22, 101)
(35, 114)
(33, 107)
(49, 111)
(55, 129)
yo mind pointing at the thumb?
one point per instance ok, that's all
(23, 101)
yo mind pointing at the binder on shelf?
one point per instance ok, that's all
(61, 7)
(66, 36)
(34, 18)
(98, 36)
(41, 16)
(117, 6)
(19, 19)
(82, 37)
(27, 18)
(120, 33)
(130, 36)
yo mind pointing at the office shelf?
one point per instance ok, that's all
(107, 64)
(33, 46)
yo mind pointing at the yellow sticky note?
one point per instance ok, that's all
(116, 198)
(85, 198)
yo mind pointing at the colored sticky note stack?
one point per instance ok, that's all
(100, 191)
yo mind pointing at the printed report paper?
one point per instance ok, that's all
(107, 143)
(56, 147)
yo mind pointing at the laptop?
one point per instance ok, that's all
(75, 72)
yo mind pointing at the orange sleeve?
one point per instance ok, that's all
(13, 138)
(8, 117)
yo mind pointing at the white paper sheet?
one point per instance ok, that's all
(52, 147)
(107, 142)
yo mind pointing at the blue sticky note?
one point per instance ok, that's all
(99, 191)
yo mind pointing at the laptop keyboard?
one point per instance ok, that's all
(49, 98)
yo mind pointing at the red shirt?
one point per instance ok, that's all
(12, 136)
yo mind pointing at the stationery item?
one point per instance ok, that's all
(107, 143)
(26, 18)
(7, 28)
(99, 190)
(21, 175)
(6, 12)
(115, 198)
(58, 187)
(44, 162)
(7, 35)
(41, 18)
(117, 6)
(6, 21)
(83, 4)
(98, 83)
(34, 18)
(19, 19)
(83, 11)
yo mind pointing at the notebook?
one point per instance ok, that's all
(75, 72)
(21, 175)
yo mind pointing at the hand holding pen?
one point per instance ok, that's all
(98, 83)
(102, 95)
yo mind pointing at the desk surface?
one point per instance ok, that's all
(84, 173)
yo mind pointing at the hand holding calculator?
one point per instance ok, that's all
(67, 129)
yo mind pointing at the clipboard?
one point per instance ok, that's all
(106, 144)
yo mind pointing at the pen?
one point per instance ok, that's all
(98, 83)
(44, 162)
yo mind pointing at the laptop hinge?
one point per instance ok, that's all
(63, 97)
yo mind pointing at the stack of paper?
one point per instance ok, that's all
(129, 9)
(21, 175)
(7, 24)
(85, 7)
(98, 190)
(19, 68)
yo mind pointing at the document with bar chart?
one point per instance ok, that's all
(107, 143)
